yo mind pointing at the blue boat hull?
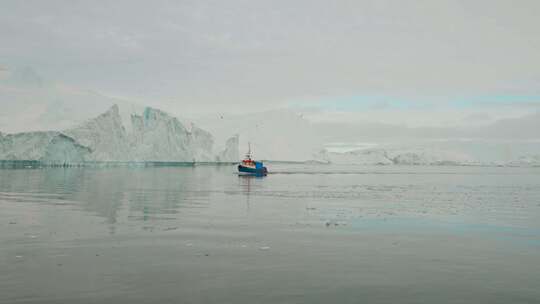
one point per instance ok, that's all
(252, 171)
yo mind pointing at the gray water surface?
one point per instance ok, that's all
(303, 234)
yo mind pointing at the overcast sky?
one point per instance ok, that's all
(331, 57)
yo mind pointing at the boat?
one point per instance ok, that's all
(248, 166)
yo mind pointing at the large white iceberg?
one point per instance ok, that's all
(153, 136)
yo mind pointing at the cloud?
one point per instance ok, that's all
(413, 62)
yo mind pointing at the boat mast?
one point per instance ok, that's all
(248, 155)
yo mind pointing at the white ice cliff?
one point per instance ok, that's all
(47, 147)
(105, 135)
(152, 136)
(230, 153)
(157, 136)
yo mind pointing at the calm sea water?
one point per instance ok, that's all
(304, 234)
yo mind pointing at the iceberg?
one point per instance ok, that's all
(430, 157)
(51, 148)
(154, 136)
(526, 160)
(202, 143)
(360, 157)
(157, 136)
(397, 156)
(104, 135)
(231, 152)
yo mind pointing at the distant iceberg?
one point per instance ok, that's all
(430, 157)
(358, 157)
(527, 160)
(395, 156)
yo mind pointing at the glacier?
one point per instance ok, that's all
(153, 136)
